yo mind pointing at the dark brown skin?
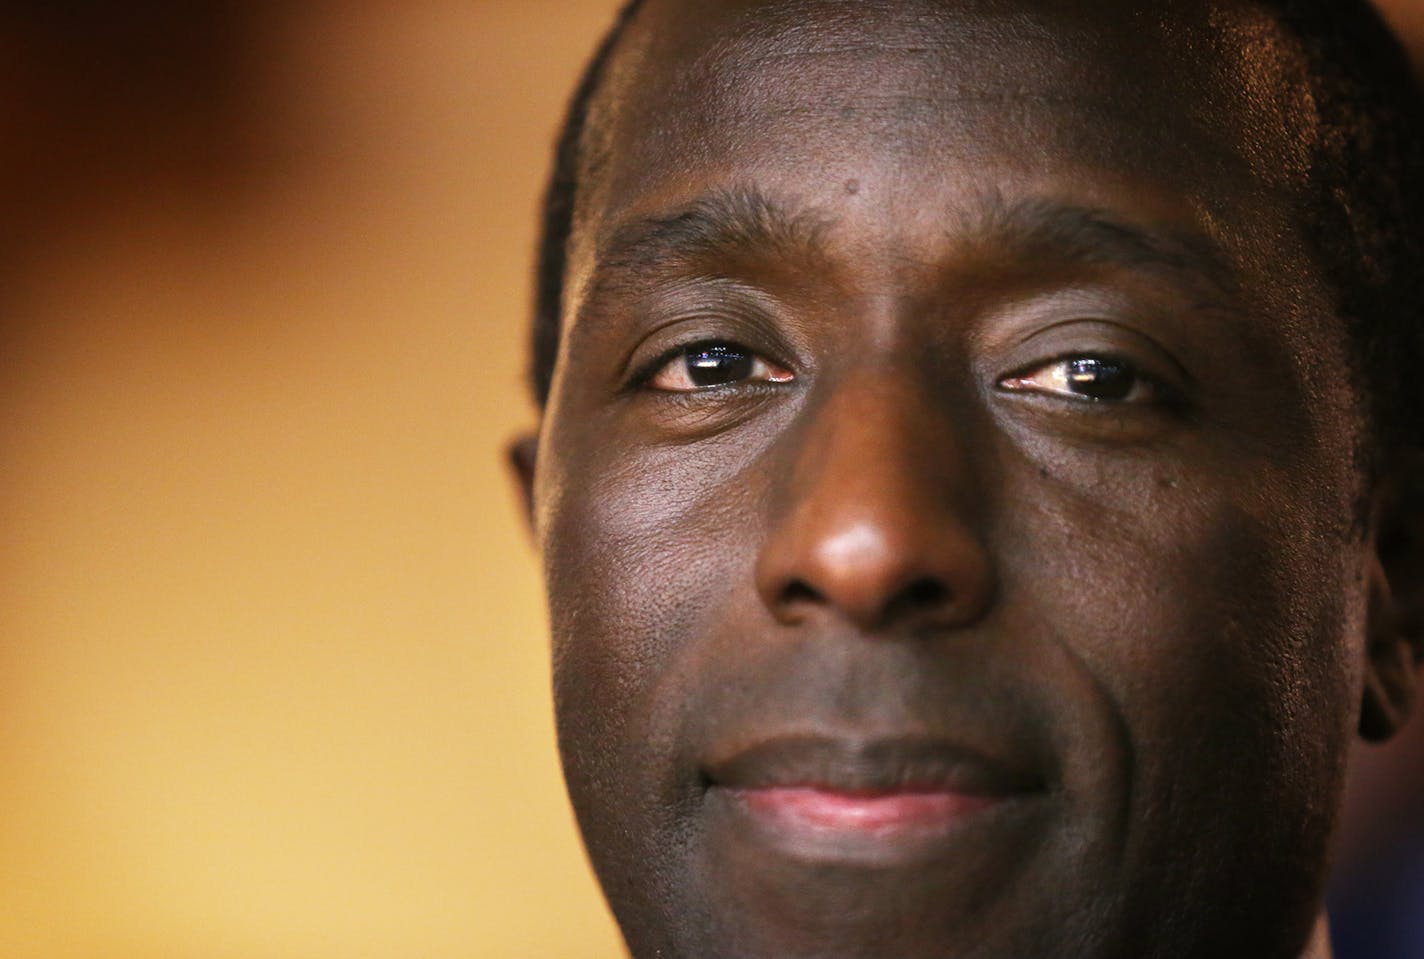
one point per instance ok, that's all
(1141, 606)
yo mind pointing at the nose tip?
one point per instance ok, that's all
(875, 527)
(874, 576)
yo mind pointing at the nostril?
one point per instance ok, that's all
(798, 591)
(925, 592)
(921, 595)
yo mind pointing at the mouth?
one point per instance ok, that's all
(880, 800)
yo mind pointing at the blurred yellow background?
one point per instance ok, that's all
(273, 654)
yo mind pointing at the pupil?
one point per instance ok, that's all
(717, 365)
(1100, 379)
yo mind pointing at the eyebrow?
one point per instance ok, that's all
(1092, 236)
(721, 225)
(747, 223)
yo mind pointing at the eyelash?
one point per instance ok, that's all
(1160, 393)
(645, 376)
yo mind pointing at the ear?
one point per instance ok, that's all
(523, 454)
(1395, 618)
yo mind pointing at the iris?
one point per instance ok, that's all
(717, 365)
(1099, 379)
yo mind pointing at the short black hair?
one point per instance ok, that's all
(1365, 221)
(560, 197)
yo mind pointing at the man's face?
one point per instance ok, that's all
(946, 493)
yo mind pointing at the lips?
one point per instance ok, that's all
(871, 813)
(908, 763)
(877, 795)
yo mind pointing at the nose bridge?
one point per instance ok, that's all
(878, 521)
(876, 444)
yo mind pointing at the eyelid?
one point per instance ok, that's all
(1090, 323)
(685, 310)
(738, 325)
(1100, 334)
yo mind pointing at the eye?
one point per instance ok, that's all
(1085, 378)
(707, 365)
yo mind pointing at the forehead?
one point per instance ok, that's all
(929, 105)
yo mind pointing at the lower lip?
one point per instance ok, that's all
(863, 814)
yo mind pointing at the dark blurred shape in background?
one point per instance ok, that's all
(106, 106)
(97, 98)
(1377, 896)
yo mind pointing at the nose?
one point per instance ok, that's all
(876, 524)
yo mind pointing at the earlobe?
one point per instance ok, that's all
(1395, 637)
(523, 454)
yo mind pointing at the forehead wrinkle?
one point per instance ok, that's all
(931, 98)
(934, 55)
(936, 47)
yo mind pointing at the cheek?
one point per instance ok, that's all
(1223, 626)
(1205, 582)
(642, 543)
(643, 553)
(1243, 660)
(1208, 611)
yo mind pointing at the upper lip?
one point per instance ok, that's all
(910, 763)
